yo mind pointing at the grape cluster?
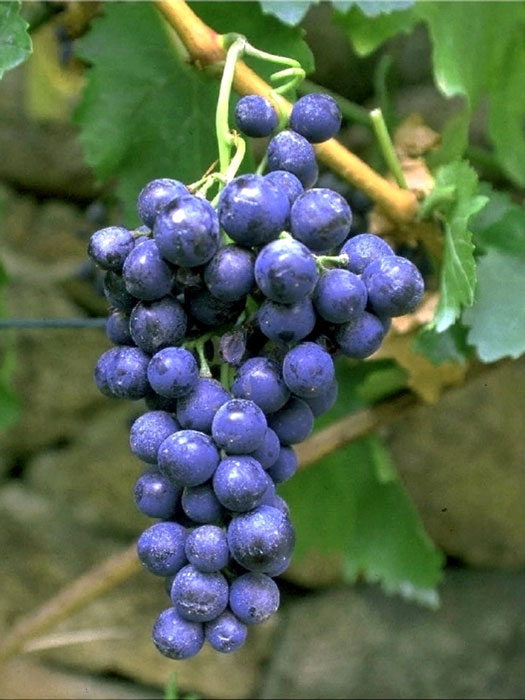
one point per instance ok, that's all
(262, 293)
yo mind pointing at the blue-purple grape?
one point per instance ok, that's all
(155, 495)
(321, 219)
(197, 409)
(156, 324)
(239, 483)
(293, 423)
(226, 633)
(146, 275)
(361, 337)
(308, 370)
(109, 247)
(186, 231)
(254, 598)
(239, 426)
(201, 504)
(121, 372)
(364, 249)
(284, 467)
(161, 548)
(324, 402)
(207, 548)
(269, 450)
(255, 116)
(252, 210)
(290, 151)
(188, 457)
(286, 323)
(339, 296)
(176, 637)
(394, 284)
(117, 328)
(317, 117)
(155, 196)
(229, 275)
(173, 372)
(199, 596)
(285, 271)
(260, 380)
(148, 432)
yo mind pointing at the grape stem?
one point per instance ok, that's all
(206, 52)
(225, 139)
(324, 262)
(387, 147)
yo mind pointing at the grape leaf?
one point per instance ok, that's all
(367, 32)
(449, 346)
(288, 12)
(458, 274)
(469, 60)
(143, 114)
(497, 318)
(15, 42)
(501, 224)
(354, 503)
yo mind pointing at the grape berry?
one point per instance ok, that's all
(265, 309)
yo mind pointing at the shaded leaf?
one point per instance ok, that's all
(368, 31)
(143, 113)
(497, 318)
(354, 503)
(449, 346)
(288, 12)
(15, 42)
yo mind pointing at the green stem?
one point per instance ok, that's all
(203, 362)
(387, 147)
(351, 111)
(237, 158)
(225, 375)
(262, 165)
(225, 138)
(327, 261)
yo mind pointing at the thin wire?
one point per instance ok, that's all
(52, 322)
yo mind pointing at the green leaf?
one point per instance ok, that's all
(454, 140)
(15, 42)
(288, 12)
(501, 224)
(143, 113)
(478, 49)
(497, 318)
(458, 274)
(262, 31)
(367, 33)
(449, 346)
(354, 503)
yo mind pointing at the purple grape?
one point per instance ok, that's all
(146, 275)
(175, 637)
(155, 495)
(252, 210)
(229, 275)
(339, 296)
(232, 346)
(117, 328)
(321, 219)
(285, 271)
(260, 380)
(239, 483)
(121, 372)
(255, 116)
(207, 548)
(308, 370)
(284, 467)
(156, 324)
(290, 151)
(187, 231)
(317, 117)
(208, 310)
(173, 372)
(226, 633)
(364, 249)
(286, 323)
(268, 452)
(198, 596)
(361, 337)
(261, 539)
(254, 598)
(394, 284)
(239, 426)
(197, 409)
(293, 423)
(116, 293)
(201, 504)
(148, 432)
(286, 181)
(110, 247)
(161, 548)
(156, 195)
(324, 402)
(188, 457)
